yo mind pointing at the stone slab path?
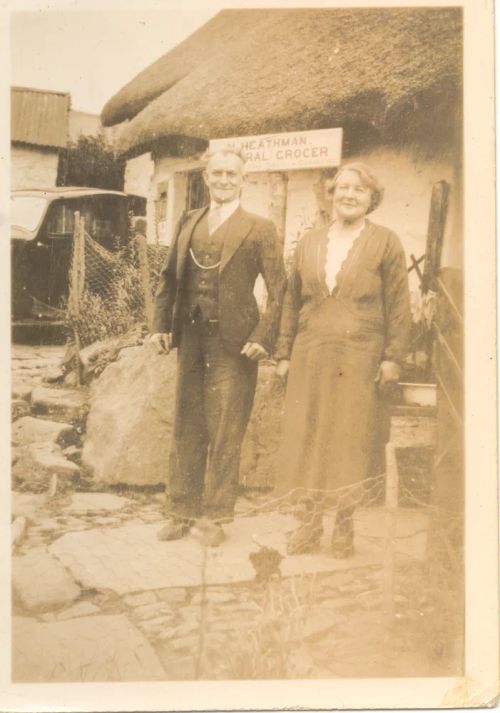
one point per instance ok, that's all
(41, 582)
(130, 558)
(90, 648)
(98, 598)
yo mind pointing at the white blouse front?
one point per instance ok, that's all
(339, 244)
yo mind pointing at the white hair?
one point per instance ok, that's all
(233, 148)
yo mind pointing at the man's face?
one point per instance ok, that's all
(224, 177)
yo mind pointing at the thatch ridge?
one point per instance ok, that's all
(309, 69)
(209, 41)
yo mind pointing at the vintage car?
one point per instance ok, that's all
(42, 225)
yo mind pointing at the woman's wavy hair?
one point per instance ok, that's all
(367, 177)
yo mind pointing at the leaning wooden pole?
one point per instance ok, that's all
(76, 290)
(142, 253)
(434, 247)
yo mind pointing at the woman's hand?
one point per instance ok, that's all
(254, 351)
(388, 371)
(387, 377)
(282, 368)
(160, 341)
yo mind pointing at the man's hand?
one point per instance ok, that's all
(282, 368)
(254, 351)
(160, 341)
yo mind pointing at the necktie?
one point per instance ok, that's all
(214, 218)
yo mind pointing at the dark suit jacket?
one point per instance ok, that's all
(251, 247)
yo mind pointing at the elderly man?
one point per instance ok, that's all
(205, 307)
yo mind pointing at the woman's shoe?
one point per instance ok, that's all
(307, 536)
(342, 543)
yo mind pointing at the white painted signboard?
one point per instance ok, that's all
(288, 152)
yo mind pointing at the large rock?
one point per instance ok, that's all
(53, 375)
(130, 420)
(42, 583)
(132, 407)
(21, 390)
(40, 461)
(19, 408)
(66, 403)
(27, 505)
(85, 649)
(37, 430)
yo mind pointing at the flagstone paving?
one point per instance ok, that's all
(92, 648)
(41, 582)
(131, 559)
(128, 607)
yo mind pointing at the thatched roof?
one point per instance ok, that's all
(291, 70)
(210, 40)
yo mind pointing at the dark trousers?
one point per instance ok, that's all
(214, 397)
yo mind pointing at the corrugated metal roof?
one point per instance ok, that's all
(39, 117)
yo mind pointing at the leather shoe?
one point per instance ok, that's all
(208, 533)
(175, 529)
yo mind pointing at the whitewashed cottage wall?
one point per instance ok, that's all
(32, 167)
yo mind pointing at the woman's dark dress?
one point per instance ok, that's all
(336, 342)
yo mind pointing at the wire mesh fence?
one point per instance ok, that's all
(110, 291)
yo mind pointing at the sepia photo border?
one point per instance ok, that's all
(479, 685)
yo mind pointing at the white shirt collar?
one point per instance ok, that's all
(226, 209)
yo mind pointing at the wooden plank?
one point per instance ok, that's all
(435, 234)
(408, 432)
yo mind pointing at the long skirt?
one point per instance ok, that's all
(331, 405)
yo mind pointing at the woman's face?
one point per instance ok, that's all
(351, 198)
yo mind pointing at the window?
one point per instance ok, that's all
(26, 211)
(62, 219)
(197, 192)
(161, 205)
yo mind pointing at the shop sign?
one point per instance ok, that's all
(288, 152)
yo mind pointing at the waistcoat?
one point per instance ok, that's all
(202, 286)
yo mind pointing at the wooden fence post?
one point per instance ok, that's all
(77, 277)
(433, 249)
(435, 234)
(142, 252)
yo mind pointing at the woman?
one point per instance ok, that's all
(344, 331)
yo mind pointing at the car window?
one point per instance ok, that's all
(62, 219)
(26, 211)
